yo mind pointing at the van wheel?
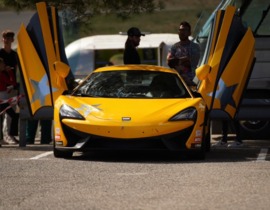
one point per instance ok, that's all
(254, 129)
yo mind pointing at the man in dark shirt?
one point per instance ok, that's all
(7, 53)
(131, 55)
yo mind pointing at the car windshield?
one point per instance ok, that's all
(133, 84)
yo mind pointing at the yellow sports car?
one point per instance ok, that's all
(129, 107)
(132, 107)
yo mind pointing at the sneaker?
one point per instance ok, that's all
(235, 144)
(220, 144)
(5, 141)
(10, 140)
(14, 139)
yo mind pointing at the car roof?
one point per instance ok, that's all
(140, 67)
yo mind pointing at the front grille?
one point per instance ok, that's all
(173, 141)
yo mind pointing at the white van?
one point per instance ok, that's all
(86, 54)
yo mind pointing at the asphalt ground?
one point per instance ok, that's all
(32, 178)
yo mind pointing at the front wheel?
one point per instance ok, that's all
(60, 153)
(196, 155)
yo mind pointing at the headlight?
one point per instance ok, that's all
(68, 112)
(187, 114)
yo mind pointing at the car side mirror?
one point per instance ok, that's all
(61, 68)
(203, 71)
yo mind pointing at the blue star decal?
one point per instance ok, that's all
(224, 94)
(87, 109)
(42, 89)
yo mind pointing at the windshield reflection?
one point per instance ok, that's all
(133, 84)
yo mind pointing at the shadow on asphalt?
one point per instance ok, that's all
(249, 152)
(135, 156)
(215, 155)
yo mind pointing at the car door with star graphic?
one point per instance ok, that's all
(43, 63)
(230, 57)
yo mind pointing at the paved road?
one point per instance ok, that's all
(31, 178)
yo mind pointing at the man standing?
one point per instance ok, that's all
(10, 58)
(185, 54)
(131, 55)
(7, 53)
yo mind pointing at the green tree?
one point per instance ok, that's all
(84, 9)
(78, 13)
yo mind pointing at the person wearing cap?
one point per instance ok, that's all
(131, 55)
(10, 58)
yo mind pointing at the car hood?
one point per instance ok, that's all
(136, 110)
(129, 118)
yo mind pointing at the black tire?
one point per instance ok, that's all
(200, 154)
(206, 146)
(255, 129)
(207, 140)
(60, 153)
(196, 155)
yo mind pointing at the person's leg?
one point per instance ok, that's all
(2, 117)
(1, 126)
(237, 131)
(225, 128)
(224, 132)
(6, 123)
(13, 128)
(238, 140)
(31, 129)
(46, 134)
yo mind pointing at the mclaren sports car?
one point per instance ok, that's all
(129, 107)
(132, 107)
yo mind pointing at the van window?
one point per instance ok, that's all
(81, 63)
(108, 57)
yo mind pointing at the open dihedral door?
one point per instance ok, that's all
(43, 62)
(230, 57)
